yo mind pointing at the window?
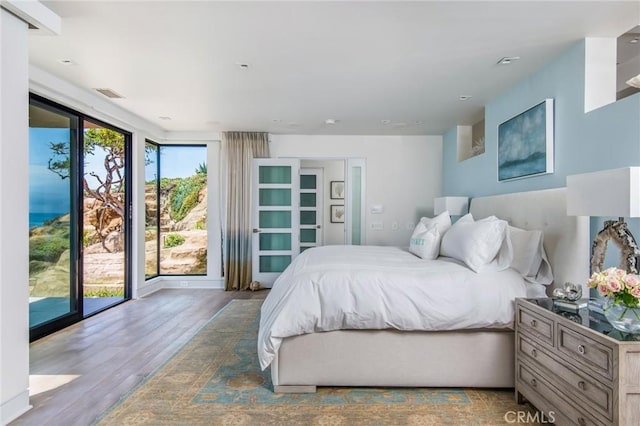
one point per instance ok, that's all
(175, 209)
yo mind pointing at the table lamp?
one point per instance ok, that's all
(613, 192)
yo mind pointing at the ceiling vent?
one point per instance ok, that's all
(109, 93)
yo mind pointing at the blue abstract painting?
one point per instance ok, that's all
(525, 143)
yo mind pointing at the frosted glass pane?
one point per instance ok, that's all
(275, 219)
(356, 207)
(307, 181)
(275, 174)
(279, 241)
(274, 263)
(308, 217)
(275, 197)
(307, 235)
(307, 200)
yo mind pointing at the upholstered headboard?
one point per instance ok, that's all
(566, 238)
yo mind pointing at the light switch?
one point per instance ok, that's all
(377, 226)
(377, 209)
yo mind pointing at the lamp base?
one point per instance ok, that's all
(618, 232)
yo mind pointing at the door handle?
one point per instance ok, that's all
(256, 230)
(319, 226)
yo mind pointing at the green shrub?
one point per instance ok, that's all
(184, 197)
(104, 292)
(200, 225)
(173, 240)
(47, 248)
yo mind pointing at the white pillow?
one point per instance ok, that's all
(442, 222)
(425, 242)
(529, 257)
(482, 245)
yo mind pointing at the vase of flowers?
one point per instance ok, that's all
(622, 293)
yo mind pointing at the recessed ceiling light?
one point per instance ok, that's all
(464, 97)
(242, 65)
(507, 60)
(385, 122)
(330, 121)
(276, 120)
(164, 117)
(634, 40)
(109, 93)
(66, 62)
(417, 122)
(398, 124)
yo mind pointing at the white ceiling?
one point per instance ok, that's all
(356, 62)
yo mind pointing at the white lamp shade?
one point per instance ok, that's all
(457, 206)
(613, 192)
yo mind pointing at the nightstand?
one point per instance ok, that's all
(574, 367)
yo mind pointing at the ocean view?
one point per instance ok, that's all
(38, 219)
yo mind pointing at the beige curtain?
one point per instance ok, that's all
(238, 151)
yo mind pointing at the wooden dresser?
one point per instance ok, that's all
(575, 368)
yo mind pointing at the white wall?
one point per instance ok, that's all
(14, 226)
(404, 174)
(333, 233)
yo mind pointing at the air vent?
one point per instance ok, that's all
(109, 93)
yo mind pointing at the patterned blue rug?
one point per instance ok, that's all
(216, 379)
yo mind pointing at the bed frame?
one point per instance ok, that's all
(469, 358)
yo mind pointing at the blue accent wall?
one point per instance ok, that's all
(606, 138)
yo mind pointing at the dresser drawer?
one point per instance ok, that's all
(537, 326)
(527, 378)
(581, 350)
(580, 386)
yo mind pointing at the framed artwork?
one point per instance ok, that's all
(525, 143)
(337, 213)
(337, 190)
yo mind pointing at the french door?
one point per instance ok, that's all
(311, 207)
(275, 217)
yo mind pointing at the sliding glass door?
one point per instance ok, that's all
(79, 214)
(52, 289)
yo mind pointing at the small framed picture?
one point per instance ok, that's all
(337, 190)
(337, 213)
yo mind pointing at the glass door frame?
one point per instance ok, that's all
(76, 156)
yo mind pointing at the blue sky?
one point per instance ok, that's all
(48, 193)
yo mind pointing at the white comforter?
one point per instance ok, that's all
(368, 287)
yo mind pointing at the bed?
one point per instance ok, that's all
(480, 355)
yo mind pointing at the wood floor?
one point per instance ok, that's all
(105, 356)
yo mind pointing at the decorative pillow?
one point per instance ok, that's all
(425, 242)
(529, 257)
(482, 245)
(442, 222)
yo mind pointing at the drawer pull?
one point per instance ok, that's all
(533, 383)
(534, 353)
(582, 421)
(581, 349)
(582, 385)
(534, 323)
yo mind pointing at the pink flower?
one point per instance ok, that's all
(614, 284)
(603, 289)
(632, 281)
(635, 292)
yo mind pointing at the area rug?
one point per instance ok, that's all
(215, 379)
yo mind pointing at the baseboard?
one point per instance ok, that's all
(187, 283)
(183, 282)
(15, 407)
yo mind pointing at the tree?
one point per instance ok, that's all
(107, 188)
